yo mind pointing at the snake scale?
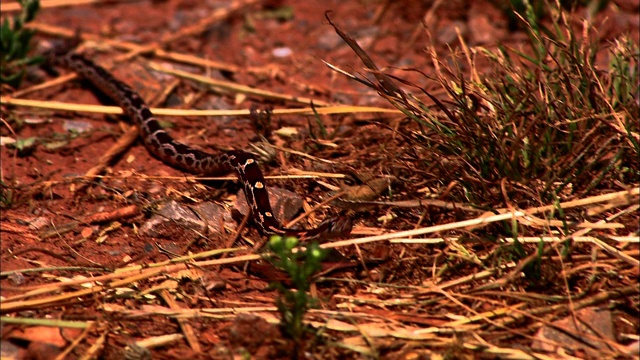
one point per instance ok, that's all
(184, 157)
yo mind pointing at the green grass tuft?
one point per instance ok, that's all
(15, 44)
(551, 117)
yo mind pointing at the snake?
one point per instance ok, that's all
(189, 159)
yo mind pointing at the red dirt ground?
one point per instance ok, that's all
(249, 39)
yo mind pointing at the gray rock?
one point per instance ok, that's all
(205, 218)
(286, 204)
(594, 332)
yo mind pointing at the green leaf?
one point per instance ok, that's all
(30, 10)
(275, 242)
(6, 35)
(13, 49)
(290, 242)
(15, 42)
(25, 146)
(12, 79)
(33, 60)
(24, 39)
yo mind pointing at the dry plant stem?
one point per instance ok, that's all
(187, 329)
(526, 261)
(482, 220)
(236, 237)
(59, 256)
(96, 347)
(194, 60)
(14, 304)
(300, 153)
(507, 353)
(500, 324)
(79, 255)
(201, 26)
(101, 109)
(381, 11)
(45, 85)
(522, 239)
(202, 312)
(129, 277)
(15, 151)
(433, 288)
(43, 269)
(315, 208)
(486, 316)
(122, 213)
(237, 88)
(427, 20)
(46, 4)
(161, 340)
(577, 305)
(616, 253)
(388, 86)
(17, 229)
(123, 45)
(191, 179)
(117, 274)
(76, 341)
(124, 142)
(624, 197)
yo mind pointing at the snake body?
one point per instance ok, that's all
(184, 157)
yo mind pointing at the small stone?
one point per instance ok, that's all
(282, 52)
(76, 126)
(16, 278)
(203, 218)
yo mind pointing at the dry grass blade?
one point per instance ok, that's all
(114, 110)
(76, 342)
(197, 28)
(237, 88)
(187, 329)
(386, 84)
(483, 220)
(12, 6)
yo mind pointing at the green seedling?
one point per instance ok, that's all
(300, 265)
(15, 43)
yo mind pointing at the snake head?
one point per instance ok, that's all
(55, 52)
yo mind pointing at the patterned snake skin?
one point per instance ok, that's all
(179, 155)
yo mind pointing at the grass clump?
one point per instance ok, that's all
(15, 42)
(548, 114)
(515, 8)
(551, 118)
(555, 118)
